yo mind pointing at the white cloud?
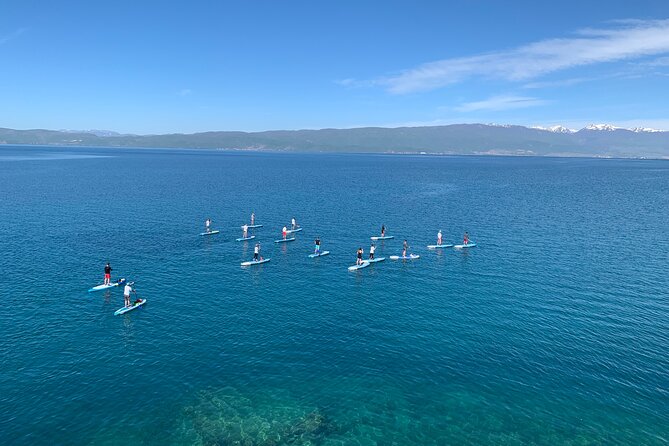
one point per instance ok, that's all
(185, 92)
(502, 102)
(626, 40)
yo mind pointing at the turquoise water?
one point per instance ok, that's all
(554, 330)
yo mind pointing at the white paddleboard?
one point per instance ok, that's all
(409, 257)
(290, 231)
(439, 246)
(130, 308)
(468, 245)
(241, 239)
(210, 232)
(284, 240)
(387, 237)
(255, 262)
(322, 253)
(364, 264)
(253, 226)
(106, 287)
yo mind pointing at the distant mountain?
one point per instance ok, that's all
(96, 132)
(466, 139)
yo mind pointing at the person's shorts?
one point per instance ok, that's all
(107, 276)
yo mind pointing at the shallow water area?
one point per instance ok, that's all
(553, 330)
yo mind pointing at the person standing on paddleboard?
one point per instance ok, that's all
(293, 224)
(439, 238)
(405, 247)
(127, 289)
(108, 270)
(253, 218)
(284, 232)
(371, 251)
(245, 228)
(256, 253)
(359, 259)
(465, 239)
(317, 247)
(383, 230)
(207, 225)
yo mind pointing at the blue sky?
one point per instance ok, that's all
(162, 67)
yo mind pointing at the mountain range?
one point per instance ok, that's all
(601, 140)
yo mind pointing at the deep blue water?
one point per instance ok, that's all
(554, 330)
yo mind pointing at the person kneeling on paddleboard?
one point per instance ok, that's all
(256, 252)
(317, 247)
(371, 251)
(126, 293)
(359, 259)
(108, 270)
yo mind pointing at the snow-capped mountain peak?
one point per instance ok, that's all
(602, 127)
(645, 130)
(555, 129)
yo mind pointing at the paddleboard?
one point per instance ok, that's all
(241, 239)
(284, 240)
(106, 287)
(409, 257)
(322, 253)
(468, 245)
(364, 264)
(255, 262)
(210, 232)
(439, 246)
(377, 259)
(254, 226)
(130, 308)
(290, 231)
(387, 237)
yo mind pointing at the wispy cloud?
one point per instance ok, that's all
(11, 36)
(558, 83)
(185, 92)
(502, 102)
(624, 40)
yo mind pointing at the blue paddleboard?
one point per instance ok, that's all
(130, 308)
(322, 253)
(364, 264)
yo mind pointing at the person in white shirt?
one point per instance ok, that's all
(371, 251)
(439, 238)
(256, 253)
(126, 293)
(245, 228)
(207, 224)
(293, 224)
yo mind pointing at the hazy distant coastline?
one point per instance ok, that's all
(456, 139)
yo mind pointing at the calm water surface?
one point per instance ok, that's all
(553, 331)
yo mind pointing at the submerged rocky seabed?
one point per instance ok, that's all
(385, 417)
